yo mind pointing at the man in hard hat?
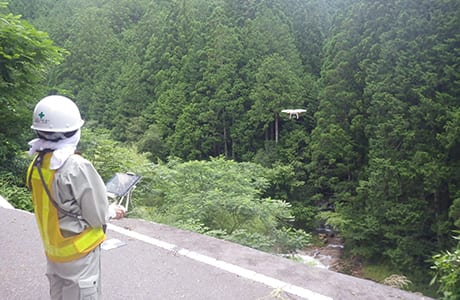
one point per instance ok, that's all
(70, 201)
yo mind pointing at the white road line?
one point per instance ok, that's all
(269, 281)
(4, 203)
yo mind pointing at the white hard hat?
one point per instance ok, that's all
(56, 114)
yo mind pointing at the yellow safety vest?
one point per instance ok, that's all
(57, 247)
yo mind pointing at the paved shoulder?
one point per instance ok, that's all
(297, 279)
(160, 262)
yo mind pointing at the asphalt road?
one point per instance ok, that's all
(161, 262)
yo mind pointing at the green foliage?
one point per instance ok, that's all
(305, 216)
(454, 212)
(17, 195)
(386, 98)
(25, 55)
(247, 238)
(109, 156)
(152, 144)
(289, 240)
(222, 198)
(285, 240)
(446, 266)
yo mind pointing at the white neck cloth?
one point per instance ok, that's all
(62, 149)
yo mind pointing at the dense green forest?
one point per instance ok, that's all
(376, 155)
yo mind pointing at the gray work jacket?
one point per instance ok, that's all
(79, 189)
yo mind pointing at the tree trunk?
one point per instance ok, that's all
(276, 128)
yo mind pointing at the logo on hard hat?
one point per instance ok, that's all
(41, 118)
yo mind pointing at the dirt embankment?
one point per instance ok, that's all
(330, 254)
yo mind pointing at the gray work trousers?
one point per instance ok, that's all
(76, 280)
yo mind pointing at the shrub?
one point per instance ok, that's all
(18, 196)
(447, 272)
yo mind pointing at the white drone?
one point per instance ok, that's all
(293, 112)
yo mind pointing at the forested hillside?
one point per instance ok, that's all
(377, 153)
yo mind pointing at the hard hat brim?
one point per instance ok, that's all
(51, 129)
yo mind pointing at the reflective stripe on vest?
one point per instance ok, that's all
(57, 247)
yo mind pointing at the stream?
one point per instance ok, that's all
(327, 256)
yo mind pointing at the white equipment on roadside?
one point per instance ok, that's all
(120, 187)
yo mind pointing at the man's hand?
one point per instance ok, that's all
(116, 211)
(120, 212)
